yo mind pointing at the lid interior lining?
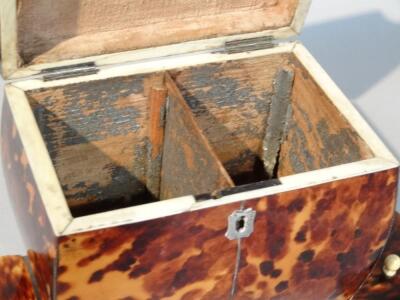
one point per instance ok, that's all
(51, 31)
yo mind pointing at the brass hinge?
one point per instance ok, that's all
(247, 45)
(70, 71)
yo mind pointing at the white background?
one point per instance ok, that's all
(357, 42)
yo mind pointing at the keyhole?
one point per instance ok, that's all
(240, 224)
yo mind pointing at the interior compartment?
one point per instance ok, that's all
(56, 30)
(231, 102)
(105, 143)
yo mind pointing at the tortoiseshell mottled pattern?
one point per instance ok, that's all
(319, 242)
(15, 283)
(181, 257)
(312, 243)
(378, 286)
(31, 215)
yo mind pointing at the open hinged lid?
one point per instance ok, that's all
(44, 34)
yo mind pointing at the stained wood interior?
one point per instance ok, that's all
(319, 136)
(98, 133)
(54, 30)
(231, 102)
(190, 165)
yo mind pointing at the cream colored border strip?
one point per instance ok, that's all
(42, 168)
(342, 103)
(56, 203)
(151, 65)
(9, 51)
(300, 16)
(187, 204)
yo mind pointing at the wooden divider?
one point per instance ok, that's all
(190, 166)
(157, 107)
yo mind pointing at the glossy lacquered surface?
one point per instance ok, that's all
(377, 285)
(28, 206)
(15, 280)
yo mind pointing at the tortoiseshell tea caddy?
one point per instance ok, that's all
(173, 149)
